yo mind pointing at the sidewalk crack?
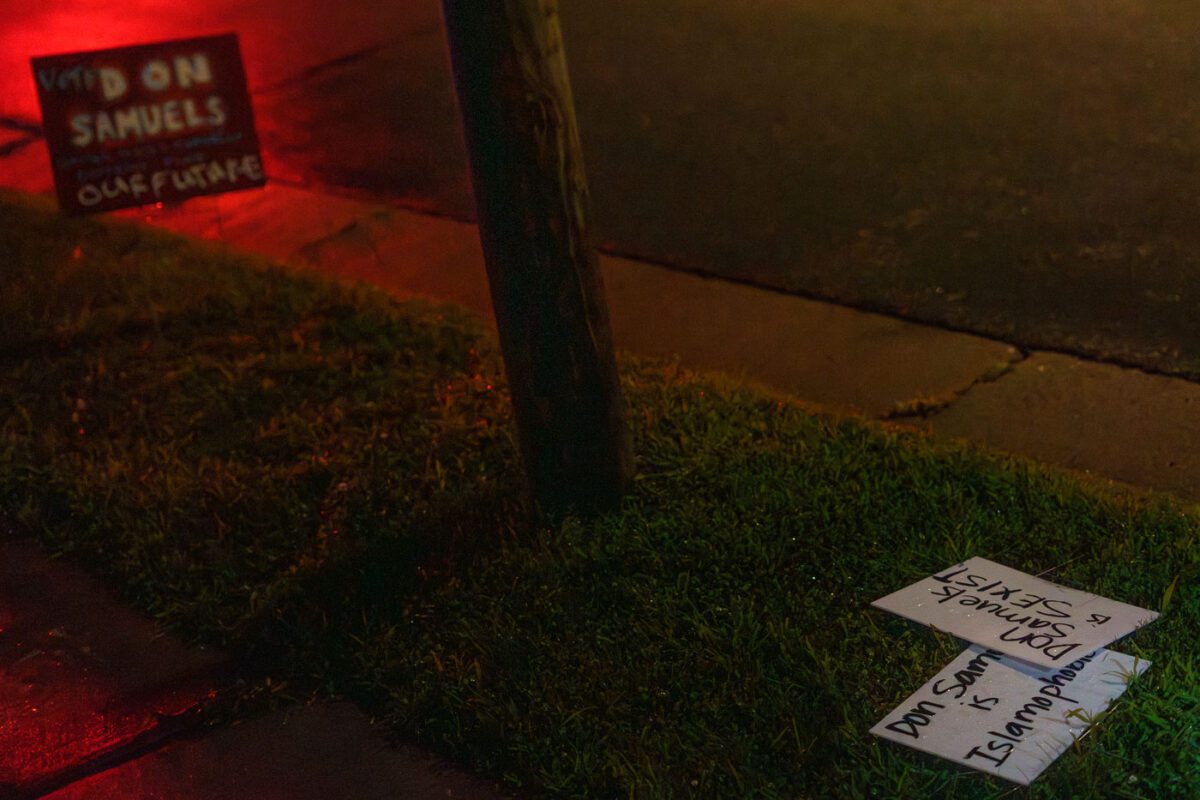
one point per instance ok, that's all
(23, 125)
(8, 148)
(31, 130)
(924, 407)
(166, 729)
(316, 70)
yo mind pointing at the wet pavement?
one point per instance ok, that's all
(82, 678)
(96, 702)
(312, 752)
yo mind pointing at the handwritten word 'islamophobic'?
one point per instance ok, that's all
(1002, 737)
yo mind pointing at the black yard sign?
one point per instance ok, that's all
(151, 123)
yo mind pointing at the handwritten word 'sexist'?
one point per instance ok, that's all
(979, 584)
(1026, 611)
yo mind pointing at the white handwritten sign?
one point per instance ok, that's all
(1003, 716)
(1013, 612)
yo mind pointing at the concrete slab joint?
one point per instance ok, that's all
(925, 406)
(85, 682)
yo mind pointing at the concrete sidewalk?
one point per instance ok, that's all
(96, 703)
(99, 705)
(1101, 420)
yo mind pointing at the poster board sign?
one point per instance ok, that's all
(1011, 611)
(150, 123)
(1005, 717)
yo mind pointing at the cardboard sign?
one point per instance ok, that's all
(1002, 716)
(146, 124)
(1031, 619)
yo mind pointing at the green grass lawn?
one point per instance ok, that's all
(323, 481)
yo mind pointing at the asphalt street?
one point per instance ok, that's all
(1027, 176)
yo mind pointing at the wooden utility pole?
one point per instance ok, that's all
(531, 193)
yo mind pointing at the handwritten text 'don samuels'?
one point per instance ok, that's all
(1005, 717)
(1015, 613)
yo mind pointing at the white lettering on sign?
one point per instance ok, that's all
(1006, 717)
(195, 179)
(189, 71)
(1014, 612)
(112, 83)
(157, 75)
(146, 121)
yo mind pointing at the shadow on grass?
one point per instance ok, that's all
(324, 481)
